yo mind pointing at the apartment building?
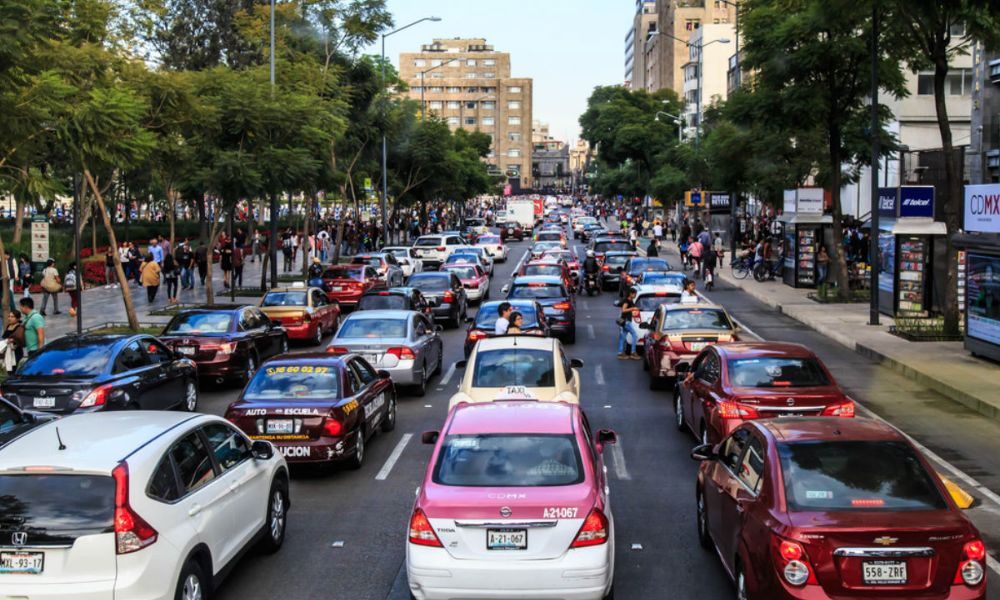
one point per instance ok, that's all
(468, 84)
(710, 50)
(681, 19)
(984, 148)
(643, 24)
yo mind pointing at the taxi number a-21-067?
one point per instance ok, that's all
(506, 539)
(568, 512)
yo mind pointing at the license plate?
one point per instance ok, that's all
(371, 358)
(186, 350)
(44, 402)
(30, 563)
(790, 414)
(280, 426)
(698, 346)
(337, 288)
(883, 572)
(506, 539)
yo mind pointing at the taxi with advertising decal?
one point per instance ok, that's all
(317, 408)
(514, 504)
(475, 280)
(677, 333)
(304, 312)
(732, 383)
(814, 509)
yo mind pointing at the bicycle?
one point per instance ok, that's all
(742, 267)
(767, 270)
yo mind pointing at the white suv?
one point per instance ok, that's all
(134, 504)
(433, 250)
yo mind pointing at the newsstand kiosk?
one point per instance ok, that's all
(981, 246)
(906, 238)
(805, 227)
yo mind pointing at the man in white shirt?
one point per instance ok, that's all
(504, 321)
(658, 232)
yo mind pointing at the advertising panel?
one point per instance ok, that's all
(982, 297)
(982, 208)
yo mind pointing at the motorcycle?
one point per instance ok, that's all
(590, 284)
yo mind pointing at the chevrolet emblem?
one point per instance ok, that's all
(886, 540)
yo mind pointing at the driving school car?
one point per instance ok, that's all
(316, 407)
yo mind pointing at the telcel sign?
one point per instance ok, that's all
(907, 201)
(982, 208)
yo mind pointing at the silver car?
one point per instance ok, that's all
(403, 342)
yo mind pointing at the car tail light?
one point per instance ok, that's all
(562, 306)
(402, 353)
(337, 350)
(132, 532)
(440, 248)
(383, 293)
(332, 427)
(97, 397)
(605, 268)
(843, 409)
(735, 410)
(970, 569)
(421, 532)
(472, 285)
(449, 297)
(792, 562)
(476, 335)
(593, 532)
(226, 348)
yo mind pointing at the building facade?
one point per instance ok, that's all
(984, 145)
(681, 19)
(709, 53)
(468, 84)
(643, 23)
(550, 161)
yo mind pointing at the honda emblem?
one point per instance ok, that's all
(19, 538)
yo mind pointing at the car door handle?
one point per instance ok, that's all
(234, 486)
(194, 510)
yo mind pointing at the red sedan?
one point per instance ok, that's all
(732, 383)
(347, 283)
(813, 508)
(305, 313)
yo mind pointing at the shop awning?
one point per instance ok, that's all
(914, 227)
(797, 219)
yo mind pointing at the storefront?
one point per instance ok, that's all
(981, 245)
(805, 228)
(907, 238)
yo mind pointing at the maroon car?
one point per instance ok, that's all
(317, 407)
(812, 508)
(225, 341)
(732, 383)
(347, 283)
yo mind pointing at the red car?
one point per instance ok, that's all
(677, 333)
(732, 383)
(347, 283)
(474, 279)
(305, 313)
(511, 231)
(816, 508)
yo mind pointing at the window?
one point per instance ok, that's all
(514, 152)
(514, 170)
(470, 120)
(925, 84)
(365, 373)
(515, 137)
(193, 463)
(435, 90)
(471, 75)
(470, 62)
(420, 63)
(453, 121)
(489, 121)
(454, 104)
(514, 89)
(513, 366)
(131, 357)
(436, 62)
(454, 90)
(776, 372)
(489, 74)
(419, 327)
(372, 328)
(228, 445)
(513, 120)
(752, 466)
(959, 82)
(417, 89)
(157, 353)
(9, 418)
(692, 24)
(488, 105)
(732, 449)
(514, 105)
(957, 30)
(489, 62)
(437, 75)
(57, 508)
(508, 460)
(318, 298)
(436, 105)
(471, 105)
(163, 483)
(248, 321)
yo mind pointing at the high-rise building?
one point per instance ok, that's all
(635, 43)
(467, 83)
(681, 19)
(709, 52)
(984, 146)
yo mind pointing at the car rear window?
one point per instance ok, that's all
(550, 235)
(71, 361)
(696, 318)
(371, 261)
(649, 302)
(197, 323)
(487, 316)
(537, 291)
(856, 475)
(776, 372)
(543, 270)
(616, 261)
(342, 273)
(56, 509)
(430, 283)
(658, 278)
(489, 239)
(285, 299)
(613, 245)
(463, 272)
(649, 264)
(462, 258)
(293, 382)
(372, 328)
(508, 460)
(380, 302)
(514, 366)
(429, 242)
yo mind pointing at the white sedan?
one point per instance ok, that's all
(494, 246)
(404, 256)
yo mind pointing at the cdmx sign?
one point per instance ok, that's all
(982, 208)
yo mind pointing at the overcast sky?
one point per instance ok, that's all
(567, 46)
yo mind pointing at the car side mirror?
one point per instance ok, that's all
(575, 363)
(430, 437)
(461, 364)
(382, 374)
(262, 450)
(607, 436)
(704, 452)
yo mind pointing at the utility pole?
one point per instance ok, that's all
(76, 253)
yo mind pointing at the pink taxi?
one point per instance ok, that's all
(514, 504)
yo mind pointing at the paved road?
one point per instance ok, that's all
(346, 528)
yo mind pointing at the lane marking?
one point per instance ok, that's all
(618, 461)
(590, 332)
(447, 375)
(391, 461)
(585, 304)
(599, 374)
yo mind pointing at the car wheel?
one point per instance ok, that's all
(420, 389)
(190, 396)
(678, 413)
(741, 584)
(704, 538)
(319, 334)
(389, 422)
(358, 458)
(456, 321)
(277, 517)
(192, 584)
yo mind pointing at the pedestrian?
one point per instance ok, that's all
(156, 251)
(226, 260)
(238, 266)
(717, 246)
(149, 274)
(201, 258)
(185, 262)
(628, 323)
(682, 248)
(689, 295)
(13, 338)
(51, 286)
(12, 276)
(823, 265)
(503, 321)
(72, 285)
(695, 251)
(673, 230)
(109, 268)
(651, 249)
(134, 259)
(165, 245)
(658, 231)
(27, 274)
(315, 273)
(287, 249)
(34, 326)
(709, 262)
(170, 274)
(255, 249)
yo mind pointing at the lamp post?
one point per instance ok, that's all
(423, 86)
(272, 245)
(699, 47)
(677, 120)
(385, 146)
(873, 261)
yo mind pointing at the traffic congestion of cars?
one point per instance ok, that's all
(113, 486)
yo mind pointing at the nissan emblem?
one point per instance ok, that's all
(505, 511)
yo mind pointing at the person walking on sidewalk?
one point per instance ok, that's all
(185, 262)
(628, 323)
(109, 269)
(13, 336)
(695, 251)
(27, 275)
(72, 285)
(34, 326)
(149, 274)
(823, 265)
(134, 260)
(226, 260)
(51, 286)
(201, 257)
(709, 262)
(170, 276)
(238, 266)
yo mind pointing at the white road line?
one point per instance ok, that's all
(618, 461)
(585, 305)
(599, 375)
(590, 332)
(391, 461)
(448, 374)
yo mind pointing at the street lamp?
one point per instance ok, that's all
(385, 144)
(699, 47)
(675, 119)
(423, 85)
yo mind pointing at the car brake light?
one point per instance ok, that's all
(735, 410)
(562, 306)
(440, 248)
(132, 532)
(476, 334)
(605, 268)
(844, 409)
(421, 532)
(226, 348)
(593, 532)
(97, 397)
(383, 293)
(332, 427)
(793, 562)
(337, 350)
(402, 353)
(970, 569)
(449, 297)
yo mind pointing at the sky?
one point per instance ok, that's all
(567, 46)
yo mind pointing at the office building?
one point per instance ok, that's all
(643, 23)
(715, 43)
(984, 146)
(681, 19)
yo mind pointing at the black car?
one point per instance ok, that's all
(557, 303)
(15, 422)
(445, 290)
(602, 245)
(397, 298)
(483, 325)
(512, 230)
(103, 372)
(610, 273)
(636, 265)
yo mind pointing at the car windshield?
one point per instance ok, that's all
(430, 283)
(610, 245)
(85, 360)
(537, 291)
(342, 273)
(399, 252)
(293, 382)
(776, 372)
(649, 302)
(284, 299)
(463, 258)
(380, 302)
(463, 272)
(371, 261)
(513, 366)
(696, 318)
(658, 278)
(849, 476)
(58, 508)
(489, 239)
(639, 265)
(487, 316)
(508, 460)
(372, 328)
(200, 322)
(429, 242)
(550, 235)
(543, 270)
